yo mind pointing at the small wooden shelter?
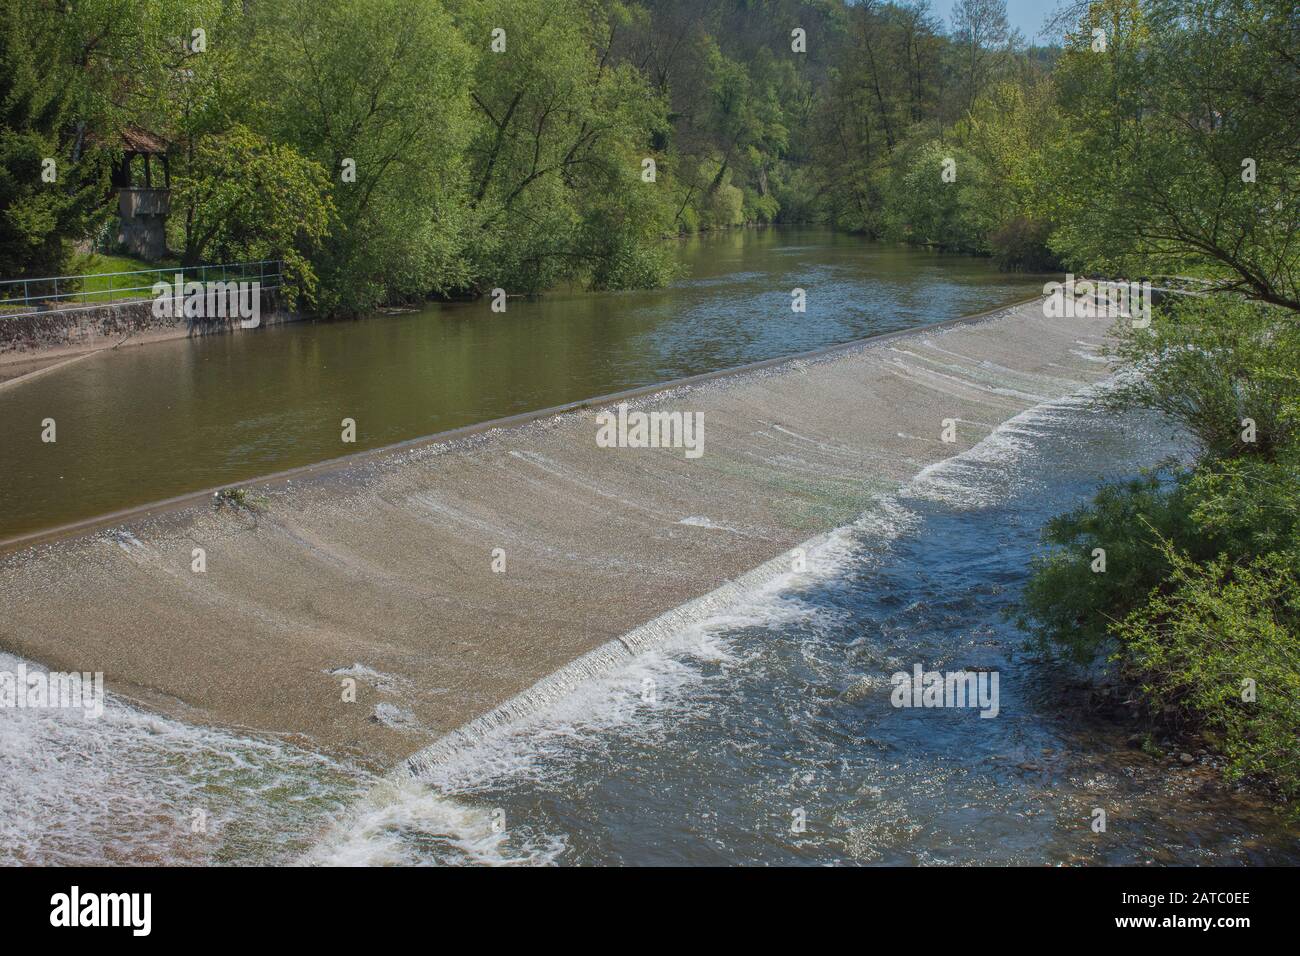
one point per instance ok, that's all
(142, 203)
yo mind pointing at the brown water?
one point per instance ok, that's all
(142, 424)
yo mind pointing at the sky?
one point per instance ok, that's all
(1025, 15)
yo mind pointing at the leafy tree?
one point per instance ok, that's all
(249, 199)
(39, 218)
(375, 92)
(1004, 133)
(1182, 152)
(559, 137)
(937, 199)
(983, 37)
(1213, 364)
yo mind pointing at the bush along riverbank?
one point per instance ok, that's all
(1186, 580)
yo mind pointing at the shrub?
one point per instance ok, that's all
(1020, 245)
(1212, 363)
(1219, 650)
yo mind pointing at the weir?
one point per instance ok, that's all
(382, 566)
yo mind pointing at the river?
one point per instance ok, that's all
(762, 735)
(137, 425)
(704, 751)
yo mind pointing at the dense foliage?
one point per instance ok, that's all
(470, 144)
(52, 180)
(1198, 603)
(1182, 160)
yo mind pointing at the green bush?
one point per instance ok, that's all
(1219, 650)
(1068, 604)
(1212, 364)
(1201, 589)
(1020, 245)
(925, 209)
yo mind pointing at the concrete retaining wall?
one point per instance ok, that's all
(98, 326)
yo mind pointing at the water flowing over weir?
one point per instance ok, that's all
(823, 556)
(781, 700)
(379, 569)
(607, 658)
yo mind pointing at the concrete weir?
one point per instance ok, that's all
(380, 568)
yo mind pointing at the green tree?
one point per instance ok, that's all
(1005, 133)
(560, 135)
(375, 92)
(1219, 651)
(1180, 151)
(983, 38)
(1213, 364)
(248, 199)
(937, 198)
(53, 178)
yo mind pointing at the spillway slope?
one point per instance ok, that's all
(381, 571)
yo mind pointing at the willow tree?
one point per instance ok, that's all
(559, 184)
(1182, 150)
(375, 92)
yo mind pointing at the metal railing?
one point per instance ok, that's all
(20, 297)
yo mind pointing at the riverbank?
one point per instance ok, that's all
(41, 339)
(381, 571)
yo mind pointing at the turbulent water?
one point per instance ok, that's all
(711, 748)
(132, 788)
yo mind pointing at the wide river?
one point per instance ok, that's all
(769, 736)
(137, 425)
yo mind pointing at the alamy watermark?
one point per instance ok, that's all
(24, 689)
(1086, 299)
(75, 908)
(620, 428)
(209, 300)
(963, 688)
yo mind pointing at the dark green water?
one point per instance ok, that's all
(141, 424)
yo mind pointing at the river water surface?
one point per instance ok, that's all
(704, 751)
(138, 425)
(762, 735)
(767, 734)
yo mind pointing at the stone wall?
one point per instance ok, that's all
(107, 324)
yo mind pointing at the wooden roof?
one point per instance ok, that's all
(137, 140)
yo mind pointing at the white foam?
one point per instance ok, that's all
(602, 692)
(391, 715)
(636, 686)
(398, 820)
(699, 521)
(976, 477)
(130, 786)
(374, 678)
